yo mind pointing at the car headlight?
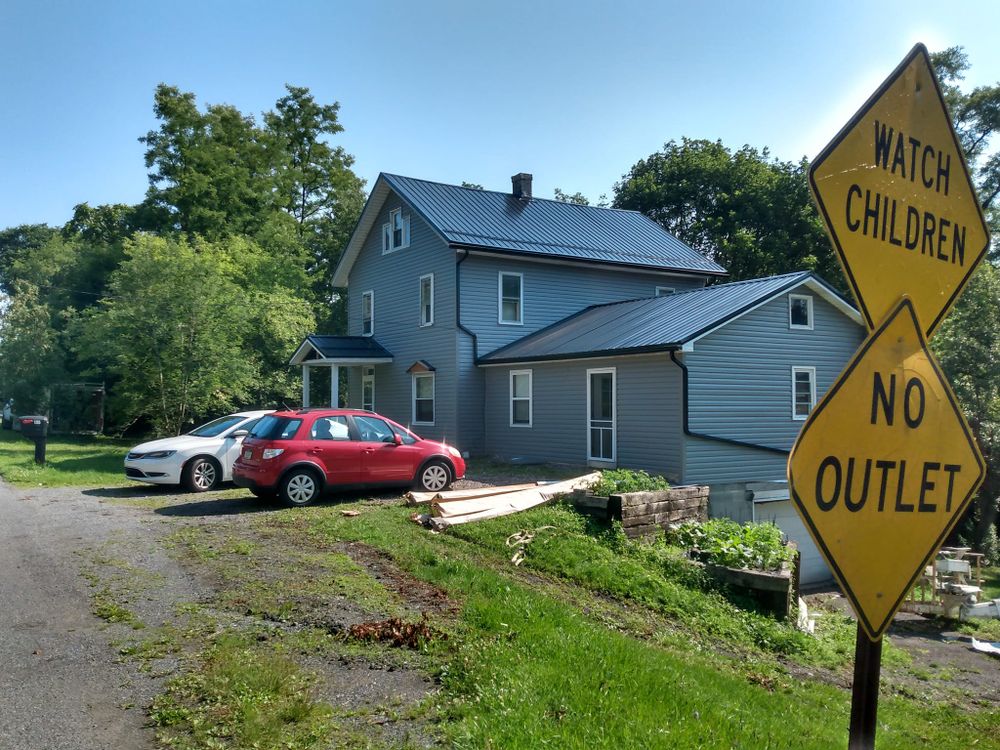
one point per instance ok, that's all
(455, 452)
(272, 453)
(160, 454)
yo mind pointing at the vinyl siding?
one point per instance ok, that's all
(395, 279)
(550, 292)
(648, 393)
(739, 387)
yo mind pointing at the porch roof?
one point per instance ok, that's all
(340, 350)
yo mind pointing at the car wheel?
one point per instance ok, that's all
(434, 477)
(200, 475)
(300, 487)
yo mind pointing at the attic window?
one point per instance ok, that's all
(800, 311)
(396, 233)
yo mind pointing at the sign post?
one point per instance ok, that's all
(886, 464)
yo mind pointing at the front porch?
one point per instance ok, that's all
(334, 352)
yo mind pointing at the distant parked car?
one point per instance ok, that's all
(199, 460)
(296, 455)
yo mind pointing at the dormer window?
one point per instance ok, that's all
(800, 311)
(396, 233)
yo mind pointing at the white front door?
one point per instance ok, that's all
(601, 415)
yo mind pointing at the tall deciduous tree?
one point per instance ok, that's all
(746, 211)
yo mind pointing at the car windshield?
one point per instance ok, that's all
(217, 426)
(276, 428)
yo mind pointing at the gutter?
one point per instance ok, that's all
(715, 438)
(458, 307)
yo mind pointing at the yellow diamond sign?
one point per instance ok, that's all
(897, 200)
(884, 468)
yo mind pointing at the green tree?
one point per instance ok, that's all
(16, 242)
(748, 212)
(968, 345)
(32, 357)
(170, 332)
(578, 197)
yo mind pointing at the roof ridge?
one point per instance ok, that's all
(510, 195)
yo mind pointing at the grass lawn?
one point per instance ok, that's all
(69, 461)
(991, 584)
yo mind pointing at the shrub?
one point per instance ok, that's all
(619, 481)
(722, 541)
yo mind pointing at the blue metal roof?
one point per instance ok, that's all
(655, 323)
(340, 348)
(495, 221)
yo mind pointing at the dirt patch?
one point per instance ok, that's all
(421, 597)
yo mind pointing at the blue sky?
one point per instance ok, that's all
(574, 92)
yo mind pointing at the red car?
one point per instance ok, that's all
(296, 455)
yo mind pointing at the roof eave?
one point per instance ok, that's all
(595, 354)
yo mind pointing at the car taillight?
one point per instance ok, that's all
(272, 453)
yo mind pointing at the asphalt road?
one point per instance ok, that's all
(60, 687)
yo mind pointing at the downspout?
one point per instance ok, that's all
(703, 436)
(466, 331)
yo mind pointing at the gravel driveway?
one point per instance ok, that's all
(60, 685)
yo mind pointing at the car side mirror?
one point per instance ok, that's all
(395, 439)
(239, 434)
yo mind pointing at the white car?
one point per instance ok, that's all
(199, 460)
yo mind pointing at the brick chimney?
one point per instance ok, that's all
(521, 186)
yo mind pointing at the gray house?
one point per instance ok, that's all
(519, 327)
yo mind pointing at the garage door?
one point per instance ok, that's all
(813, 568)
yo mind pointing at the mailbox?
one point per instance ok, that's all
(33, 427)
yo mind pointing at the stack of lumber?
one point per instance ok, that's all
(465, 506)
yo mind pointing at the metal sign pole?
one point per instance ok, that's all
(864, 698)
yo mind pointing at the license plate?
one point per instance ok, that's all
(248, 454)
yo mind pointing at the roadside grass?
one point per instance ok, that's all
(531, 670)
(69, 461)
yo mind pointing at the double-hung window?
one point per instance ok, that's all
(427, 300)
(800, 311)
(396, 232)
(520, 398)
(423, 398)
(803, 391)
(368, 313)
(511, 298)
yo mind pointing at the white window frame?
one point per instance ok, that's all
(614, 414)
(414, 379)
(386, 238)
(809, 311)
(520, 302)
(368, 376)
(529, 399)
(370, 294)
(420, 297)
(663, 291)
(812, 392)
(389, 232)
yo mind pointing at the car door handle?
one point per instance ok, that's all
(314, 451)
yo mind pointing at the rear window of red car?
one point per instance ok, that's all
(276, 428)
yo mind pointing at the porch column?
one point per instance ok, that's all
(334, 386)
(305, 386)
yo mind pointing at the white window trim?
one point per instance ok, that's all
(614, 413)
(663, 291)
(530, 399)
(420, 291)
(365, 376)
(809, 311)
(386, 238)
(812, 391)
(371, 295)
(388, 232)
(433, 378)
(520, 303)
